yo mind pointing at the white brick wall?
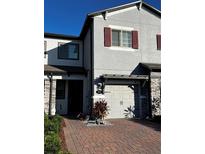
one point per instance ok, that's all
(156, 95)
(46, 97)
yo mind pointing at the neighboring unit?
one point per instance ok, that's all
(116, 57)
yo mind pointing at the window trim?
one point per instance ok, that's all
(78, 46)
(121, 38)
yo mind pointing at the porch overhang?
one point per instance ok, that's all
(127, 79)
(63, 70)
(152, 66)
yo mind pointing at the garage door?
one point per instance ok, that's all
(121, 100)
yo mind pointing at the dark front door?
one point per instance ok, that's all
(75, 96)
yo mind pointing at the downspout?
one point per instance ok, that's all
(50, 93)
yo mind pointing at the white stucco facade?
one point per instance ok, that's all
(96, 60)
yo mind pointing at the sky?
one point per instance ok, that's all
(68, 16)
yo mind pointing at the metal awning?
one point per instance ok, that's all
(151, 66)
(124, 77)
(116, 79)
(61, 70)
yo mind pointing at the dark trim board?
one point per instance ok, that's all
(60, 36)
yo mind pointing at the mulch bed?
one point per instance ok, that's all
(62, 136)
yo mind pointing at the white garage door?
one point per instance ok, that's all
(119, 99)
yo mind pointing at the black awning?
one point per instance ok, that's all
(151, 66)
(125, 77)
(60, 70)
(116, 79)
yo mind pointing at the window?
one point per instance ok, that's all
(121, 38)
(116, 38)
(45, 52)
(60, 89)
(126, 39)
(68, 51)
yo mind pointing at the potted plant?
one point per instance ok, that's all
(100, 111)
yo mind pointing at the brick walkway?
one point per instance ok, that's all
(123, 137)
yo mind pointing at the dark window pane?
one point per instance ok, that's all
(73, 51)
(60, 89)
(62, 51)
(68, 51)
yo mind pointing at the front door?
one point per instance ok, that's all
(75, 97)
(61, 97)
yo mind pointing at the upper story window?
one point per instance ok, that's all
(158, 41)
(45, 46)
(121, 38)
(68, 51)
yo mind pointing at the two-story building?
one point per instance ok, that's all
(117, 57)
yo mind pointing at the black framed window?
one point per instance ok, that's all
(68, 51)
(60, 89)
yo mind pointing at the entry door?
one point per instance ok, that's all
(61, 97)
(75, 96)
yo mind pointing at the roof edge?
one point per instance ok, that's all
(90, 15)
(60, 36)
(124, 6)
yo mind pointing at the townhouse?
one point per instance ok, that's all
(116, 57)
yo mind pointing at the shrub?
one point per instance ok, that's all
(52, 143)
(52, 124)
(100, 109)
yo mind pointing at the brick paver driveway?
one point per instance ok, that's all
(122, 137)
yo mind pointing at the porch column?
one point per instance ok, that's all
(46, 96)
(155, 83)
